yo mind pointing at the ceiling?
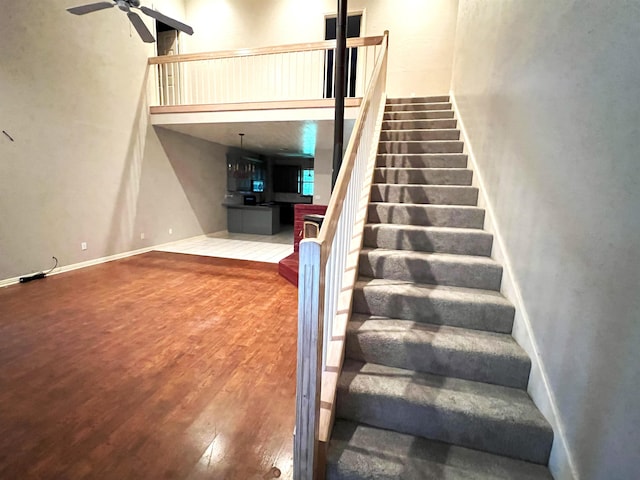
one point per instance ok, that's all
(291, 137)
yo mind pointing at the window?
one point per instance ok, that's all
(353, 30)
(305, 177)
(258, 186)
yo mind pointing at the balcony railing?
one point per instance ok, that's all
(285, 74)
(328, 271)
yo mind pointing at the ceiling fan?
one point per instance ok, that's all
(126, 6)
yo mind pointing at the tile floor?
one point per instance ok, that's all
(241, 246)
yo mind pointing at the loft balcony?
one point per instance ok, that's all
(285, 76)
(291, 84)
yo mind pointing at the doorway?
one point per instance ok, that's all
(168, 43)
(354, 23)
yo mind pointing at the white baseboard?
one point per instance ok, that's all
(97, 261)
(561, 462)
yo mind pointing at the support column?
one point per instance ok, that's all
(340, 87)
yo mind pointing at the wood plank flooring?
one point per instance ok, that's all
(158, 366)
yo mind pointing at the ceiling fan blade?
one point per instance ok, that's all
(141, 28)
(168, 20)
(92, 7)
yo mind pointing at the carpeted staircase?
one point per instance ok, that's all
(433, 385)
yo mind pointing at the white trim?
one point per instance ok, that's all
(97, 261)
(242, 116)
(539, 388)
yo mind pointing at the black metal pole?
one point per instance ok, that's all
(340, 82)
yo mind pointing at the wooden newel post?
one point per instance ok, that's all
(309, 369)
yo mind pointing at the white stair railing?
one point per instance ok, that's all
(328, 270)
(284, 73)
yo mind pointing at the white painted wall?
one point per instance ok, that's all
(548, 92)
(322, 168)
(85, 166)
(421, 32)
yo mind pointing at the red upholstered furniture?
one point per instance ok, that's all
(288, 267)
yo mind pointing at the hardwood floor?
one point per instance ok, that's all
(159, 366)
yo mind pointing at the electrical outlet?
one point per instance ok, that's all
(83, 245)
(142, 236)
(171, 231)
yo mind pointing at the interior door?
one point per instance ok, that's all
(167, 42)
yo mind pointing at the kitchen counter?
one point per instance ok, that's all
(253, 207)
(257, 219)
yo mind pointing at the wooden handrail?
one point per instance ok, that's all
(328, 229)
(316, 386)
(335, 349)
(249, 52)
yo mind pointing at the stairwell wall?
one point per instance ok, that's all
(85, 165)
(547, 91)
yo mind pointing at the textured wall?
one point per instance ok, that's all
(85, 167)
(549, 94)
(421, 32)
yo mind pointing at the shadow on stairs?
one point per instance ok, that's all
(433, 384)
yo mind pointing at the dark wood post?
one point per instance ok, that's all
(340, 86)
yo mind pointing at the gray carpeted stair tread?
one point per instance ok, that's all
(421, 115)
(476, 415)
(437, 304)
(423, 176)
(433, 268)
(462, 241)
(436, 123)
(421, 135)
(441, 350)
(421, 146)
(359, 452)
(433, 385)
(454, 216)
(423, 194)
(429, 99)
(413, 107)
(421, 160)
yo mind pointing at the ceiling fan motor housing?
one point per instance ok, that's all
(125, 5)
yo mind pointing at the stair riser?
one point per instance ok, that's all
(422, 161)
(424, 115)
(465, 243)
(455, 313)
(451, 195)
(418, 269)
(458, 176)
(433, 99)
(426, 215)
(436, 146)
(405, 352)
(503, 438)
(418, 124)
(417, 107)
(419, 135)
